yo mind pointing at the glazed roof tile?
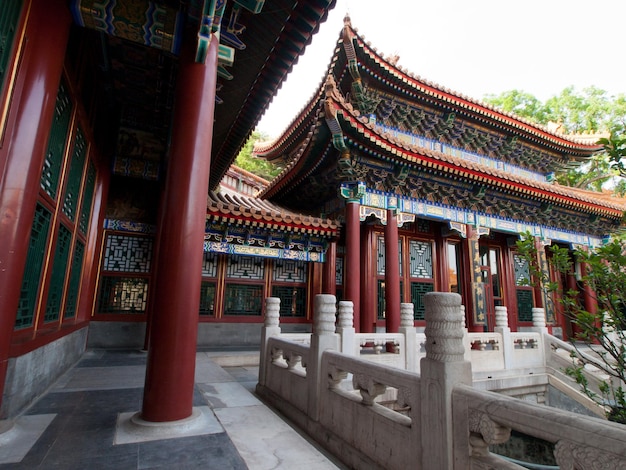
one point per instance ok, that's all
(244, 210)
(597, 202)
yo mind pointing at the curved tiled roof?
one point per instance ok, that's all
(459, 167)
(244, 210)
(299, 134)
(482, 110)
(275, 40)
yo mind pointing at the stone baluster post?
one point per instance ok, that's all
(407, 328)
(270, 328)
(441, 370)
(322, 338)
(539, 320)
(539, 325)
(466, 341)
(502, 327)
(345, 327)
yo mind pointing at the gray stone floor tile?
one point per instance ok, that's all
(17, 442)
(101, 378)
(214, 451)
(79, 416)
(228, 394)
(266, 442)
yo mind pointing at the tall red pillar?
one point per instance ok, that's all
(168, 393)
(22, 153)
(353, 192)
(589, 296)
(352, 272)
(392, 273)
(329, 283)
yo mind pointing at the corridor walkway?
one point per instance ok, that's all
(83, 422)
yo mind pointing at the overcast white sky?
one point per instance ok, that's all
(474, 47)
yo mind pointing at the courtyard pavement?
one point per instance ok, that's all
(84, 422)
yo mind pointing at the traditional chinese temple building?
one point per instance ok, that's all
(433, 190)
(116, 119)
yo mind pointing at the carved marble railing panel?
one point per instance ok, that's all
(486, 351)
(582, 442)
(372, 380)
(288, 355)
(560, 355)
(300, 338)
(286, 372)
(485, 341)
(383, 427)
(382, 348)
(526, 340)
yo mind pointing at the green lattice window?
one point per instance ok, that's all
(57, 278)
(9, 17)
(381, 259)
(85, 212)
(53, 161)
(289, 271)
(123, 295)
(292, 300)
(418, 290)
(522, 270)
(207, 298)
(74, 176)
(524, 305)
(34, 264)
(243, 299)
(125, 253)
(72, 291)
(381, 298)
(421, 259)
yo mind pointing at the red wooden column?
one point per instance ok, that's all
(22, 154)
(473, 306)
(168, 393)
(369, 283)
(392, 271)
(329, 284)
(352, 192)
(589, 299)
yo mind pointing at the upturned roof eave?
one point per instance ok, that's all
(419, 156)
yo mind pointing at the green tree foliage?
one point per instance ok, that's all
(589, 110)
(255, 165)
(602, 331)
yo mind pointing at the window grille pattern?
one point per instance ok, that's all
(207, 298)
(124, 253)
(243, 300)
(9, 16)
(85, 213)
(418, 290)
(57, 278)
(53, 161)
(339, 271)
(292, 300)
(32, 272)
(123, 295)
(380, 262)
(524, 305)
(74, 284)
(245, 267)
(290, 271)
(74, 176)
(209, 265)
(522, 270)
(421, 254)
(422, 225)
